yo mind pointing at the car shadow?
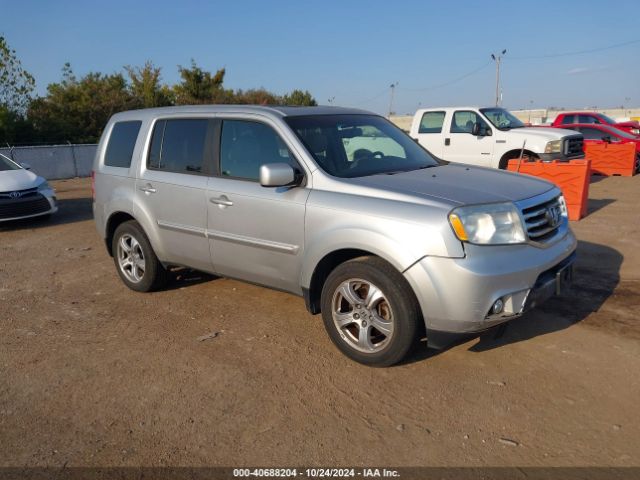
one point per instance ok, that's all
(181, 277)
(70, 210)
(596, 204)
(596, 276)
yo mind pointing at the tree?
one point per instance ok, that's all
(77, 110)
(16, 84)
(199, 86)
(145, 86)
(258, 96)
(298, 97)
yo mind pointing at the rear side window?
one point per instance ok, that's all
(431, 122)
(181, 145)
(121, 143)
(567, 120)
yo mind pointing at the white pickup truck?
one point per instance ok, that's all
(489, 137)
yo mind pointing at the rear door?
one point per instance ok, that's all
(460, 145)
(171, 189)
(430, 131)
(255, 233)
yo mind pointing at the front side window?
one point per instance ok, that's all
(122, 141)
(501, 118)
(592, 133)
(246, 145)
(463, 121)
(350, 146)
(587, 119)
(180, 145)
(606, 120)
(431, 122)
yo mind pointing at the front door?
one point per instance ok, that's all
(464, 147)
(255, 233)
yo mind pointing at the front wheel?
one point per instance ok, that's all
(370, 312)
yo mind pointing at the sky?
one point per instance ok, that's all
(349, 52)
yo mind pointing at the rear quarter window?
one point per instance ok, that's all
(121, 144)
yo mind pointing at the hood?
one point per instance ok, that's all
(631, 123)
(12, 180)
(459, 184)
(546, 133)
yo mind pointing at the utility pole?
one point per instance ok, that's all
(498, 59)
(393, 87)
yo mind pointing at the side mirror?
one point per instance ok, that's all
(277, 175)
(25, 165)
(479, 131)
(606, 139)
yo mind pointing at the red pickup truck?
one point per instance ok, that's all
(574, 118)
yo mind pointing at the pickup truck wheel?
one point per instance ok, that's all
(135, 260)
(370, 312)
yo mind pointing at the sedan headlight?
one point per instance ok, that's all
(491, 224)
(44, 186)
(553, 147)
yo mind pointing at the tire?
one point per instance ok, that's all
(504, 161)
(381, 333)
(135, 260)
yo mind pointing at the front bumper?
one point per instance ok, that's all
(456, 294)
(45, 203)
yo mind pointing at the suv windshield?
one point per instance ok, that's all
(349, 146)
(501, 119)
(6, 164)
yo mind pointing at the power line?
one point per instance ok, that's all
(451, 82)
(579, 52)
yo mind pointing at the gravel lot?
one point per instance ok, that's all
(93, 374)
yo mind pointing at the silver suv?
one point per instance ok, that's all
(336, 205)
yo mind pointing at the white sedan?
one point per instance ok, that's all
(23, 194)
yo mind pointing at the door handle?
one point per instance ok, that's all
(148, 189)
(221, 200)
(447, 141)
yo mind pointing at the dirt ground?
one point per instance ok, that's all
(93, 374)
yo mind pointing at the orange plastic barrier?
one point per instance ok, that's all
(572, 177)
(611, 159)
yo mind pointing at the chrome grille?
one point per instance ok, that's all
(573, 147)
(539, 219)
(22, 207)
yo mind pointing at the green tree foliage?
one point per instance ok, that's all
(16, 84)
(77, 110)
(145, 87)
(199, 86)
(298, 97)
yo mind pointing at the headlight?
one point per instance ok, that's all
(635, 131)
(44, 186)
(491, 224)
(553, 147)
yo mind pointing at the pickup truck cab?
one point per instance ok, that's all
(338, 206)
(489, 137)
(585, 118)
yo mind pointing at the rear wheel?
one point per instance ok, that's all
(370, 312)
(135, 260)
